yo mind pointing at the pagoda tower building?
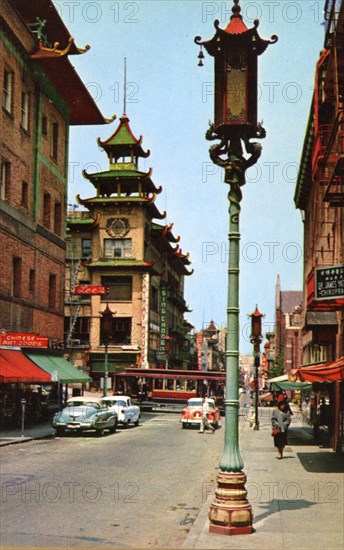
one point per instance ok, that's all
(119, 243)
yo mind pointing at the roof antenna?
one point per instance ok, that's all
(125, 87)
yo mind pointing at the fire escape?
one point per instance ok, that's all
(333, 163)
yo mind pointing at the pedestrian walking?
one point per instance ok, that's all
(280, 420)
(204, 421)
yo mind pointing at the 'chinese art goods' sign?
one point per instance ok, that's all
(22, 339)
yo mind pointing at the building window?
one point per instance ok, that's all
(16, 276)
(81, 330)
(52, 291)
(121, 331)
(46, 210)
(44, 126)
(57, 218)
(85, 249)
(25, 106)
(32, 280)
(4, 179)
(155, 298)
(54, 140)
(7, 98)
(120, 288)
(118, 248)
(25, 194)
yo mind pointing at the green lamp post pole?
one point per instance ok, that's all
(106, 334)
(235, 50)
(256, 339)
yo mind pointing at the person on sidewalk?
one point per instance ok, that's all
(204, 421)
(280, 420)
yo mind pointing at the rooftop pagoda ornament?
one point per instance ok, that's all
(235, 50)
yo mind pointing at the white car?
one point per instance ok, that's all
(127, 413)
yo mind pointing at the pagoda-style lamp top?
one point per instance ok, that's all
(256, 326)
(235, 49)
(107, 316)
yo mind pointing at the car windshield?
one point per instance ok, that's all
(113, 402)
(194, 403)
(92, 404)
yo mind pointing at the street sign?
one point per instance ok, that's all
(329, 282)
(93, 290)
(23, 339)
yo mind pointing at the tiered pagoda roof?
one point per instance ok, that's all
(236, 34)
(164, 235)
(123, 182)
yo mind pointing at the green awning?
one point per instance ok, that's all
(66, 372)
(291, 386)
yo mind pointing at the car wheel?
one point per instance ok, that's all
(126, 424)
(137, 422)
(99, 432)
(60, 432)
(113, 429)
(183, 426)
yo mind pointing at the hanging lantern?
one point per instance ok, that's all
(236, 49)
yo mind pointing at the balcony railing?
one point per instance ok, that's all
(331, 12)
(333, 163)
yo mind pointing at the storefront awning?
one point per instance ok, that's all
(327, 372)
(285, 384)
(52, 364)
(15, 368)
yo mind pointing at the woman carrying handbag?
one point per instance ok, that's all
(280, 420)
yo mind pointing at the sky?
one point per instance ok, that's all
(170, 103)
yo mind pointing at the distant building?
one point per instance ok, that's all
(211, 342)
(42, 96)
(120, 243)
(288, 327)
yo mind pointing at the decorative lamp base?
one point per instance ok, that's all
(230, 512)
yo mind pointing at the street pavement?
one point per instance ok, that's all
(297, 502)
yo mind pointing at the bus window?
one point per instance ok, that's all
(180, 385)
(169, 384)
(190, 385)
(158, 383)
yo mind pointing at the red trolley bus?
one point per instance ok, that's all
(169, 385)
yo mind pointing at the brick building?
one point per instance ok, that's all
(319, 195)
(42, 96)
(286, 343)
(120, 242)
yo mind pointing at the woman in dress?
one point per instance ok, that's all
(280, 420)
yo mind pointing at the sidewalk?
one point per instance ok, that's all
(297, 502)
(12, 436)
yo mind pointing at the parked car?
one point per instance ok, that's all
(127, 413)
(85, 414)
(192, 414)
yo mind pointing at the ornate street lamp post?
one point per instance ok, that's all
(106, 335)
(235, 50)
(256, 339)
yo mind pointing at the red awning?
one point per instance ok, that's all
(328, 372)
(15, 367)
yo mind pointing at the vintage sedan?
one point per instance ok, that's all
(192, 414)
(84, 414)
(127, 413)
